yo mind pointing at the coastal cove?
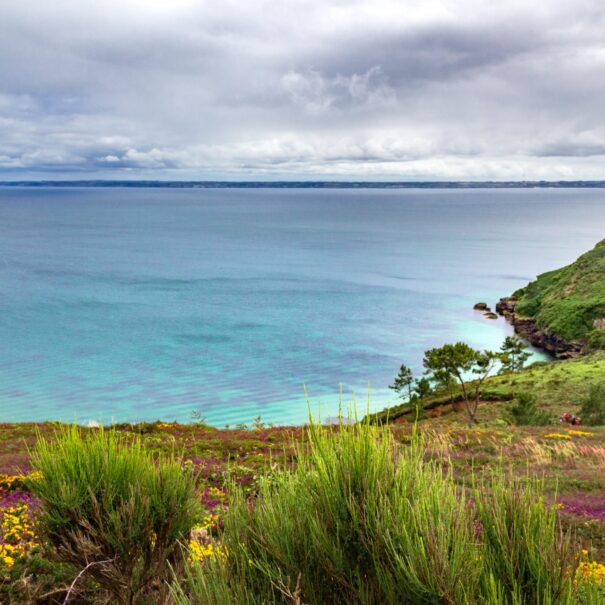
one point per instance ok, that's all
(132, 305)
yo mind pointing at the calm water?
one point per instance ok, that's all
(122, 304)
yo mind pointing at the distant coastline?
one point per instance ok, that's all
(313, 184)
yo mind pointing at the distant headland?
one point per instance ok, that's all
(312, 184)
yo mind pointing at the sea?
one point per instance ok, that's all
(230, 305)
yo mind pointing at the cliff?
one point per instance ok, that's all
(563, 311)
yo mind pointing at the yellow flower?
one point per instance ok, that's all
(557, 436)
(17, 533)
(591, 571)
(199, 551)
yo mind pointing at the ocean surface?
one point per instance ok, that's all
(143, 304)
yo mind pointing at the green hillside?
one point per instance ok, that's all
(570, 301)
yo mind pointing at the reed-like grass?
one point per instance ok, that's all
(362, 520)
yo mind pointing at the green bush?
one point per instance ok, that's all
(361, 520)
(525, 555)
(592, 408)
(525, 412)
(596, 339)
(109, 508)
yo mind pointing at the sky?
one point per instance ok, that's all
(302, 89)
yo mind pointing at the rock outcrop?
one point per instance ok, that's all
(528, 329)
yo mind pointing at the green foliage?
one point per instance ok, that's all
(110, 508)
(526, 555)
(514, 354)
(525, 411)
(422, 387)
(402, 384)
(596, 339)
(592, 409)
(567, 301)
(361, 520)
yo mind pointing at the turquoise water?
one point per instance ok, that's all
(132, 304)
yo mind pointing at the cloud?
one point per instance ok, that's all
(316, 93)
(339, 88)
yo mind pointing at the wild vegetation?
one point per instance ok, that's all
(307, 515)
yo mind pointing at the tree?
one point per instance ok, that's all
(462, 362)
(514, 354)
(403, 382)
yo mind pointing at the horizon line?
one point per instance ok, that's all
(308, 184)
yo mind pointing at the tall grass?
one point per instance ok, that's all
(112, 510)
(363, 520)
(525, 552)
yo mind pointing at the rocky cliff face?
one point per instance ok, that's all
(527, 328)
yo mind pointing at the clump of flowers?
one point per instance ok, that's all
(557, 436)
(214, 501)
(590, 571)
(164, 425)
(203, 543)
(202, 547)
(584, 504)
(17, 537)
(579, 433)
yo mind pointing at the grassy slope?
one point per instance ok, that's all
(568, 300)
(559, 387)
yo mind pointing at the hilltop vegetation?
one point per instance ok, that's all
(559, 386)
(570, 301)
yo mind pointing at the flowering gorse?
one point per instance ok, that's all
(202, 547)
(17, 537)
(590, 571)
(557, 436)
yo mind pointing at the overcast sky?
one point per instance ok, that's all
(183, 89)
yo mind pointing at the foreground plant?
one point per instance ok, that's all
(113, 511)
(363, 520)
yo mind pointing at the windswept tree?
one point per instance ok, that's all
(468, 366)
(403, 383)
(514, 354)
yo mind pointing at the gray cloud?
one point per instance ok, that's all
(351, 89)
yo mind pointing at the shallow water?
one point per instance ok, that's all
(131, 304)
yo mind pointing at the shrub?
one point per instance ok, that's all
(596, 339)
(525, 411)
(110, 509)
(526, 556)
(592, 409)
(361, 520)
